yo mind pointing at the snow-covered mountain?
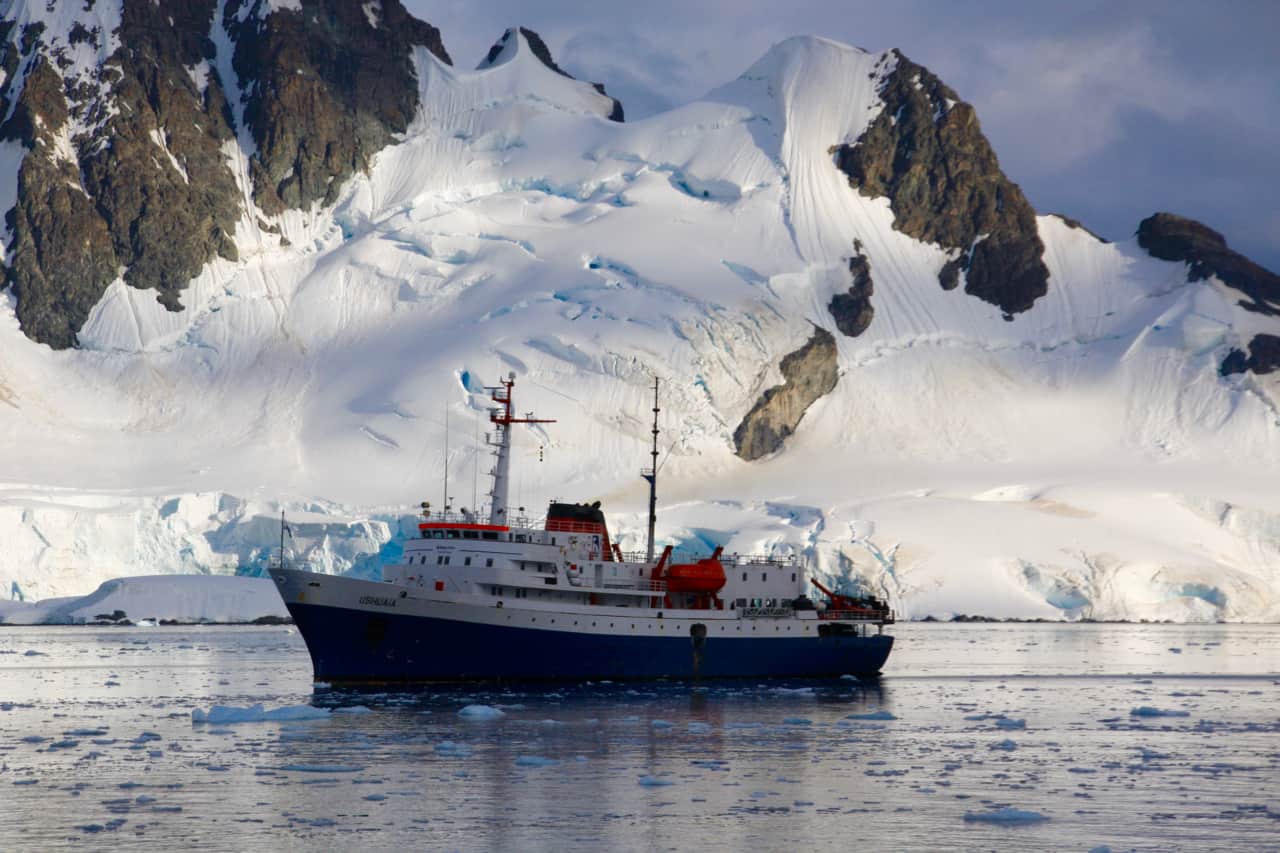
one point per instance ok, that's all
(872, 349)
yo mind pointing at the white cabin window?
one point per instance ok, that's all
(489, 563)
(744, 577)
(467, 561)
(793, 577)
(764, 577)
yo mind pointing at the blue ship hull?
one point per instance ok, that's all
(349, 645)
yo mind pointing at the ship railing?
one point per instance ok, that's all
(779, 561)
(643, 584)
(465, 516)
(862, 614)
(776, 612)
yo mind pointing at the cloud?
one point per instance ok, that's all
(647, 77)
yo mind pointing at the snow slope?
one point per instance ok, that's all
(1084, 459)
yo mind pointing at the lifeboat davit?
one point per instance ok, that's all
(706, 576)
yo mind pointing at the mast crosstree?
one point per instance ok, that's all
(502, 418)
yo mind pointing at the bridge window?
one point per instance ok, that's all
(488, 534)
(467, 561)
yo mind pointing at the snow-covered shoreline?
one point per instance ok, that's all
(192, 599)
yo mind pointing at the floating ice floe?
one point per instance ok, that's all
(797, 721)
(1005, 744)
(660, 724)
(1148, 711)
(448, 747)
(1010, 723)
(354, 709)
(481, 712)
(226, 714)
(535, 761)
(654, 782)
(322, 768)
(1005, 815)
(872, 715)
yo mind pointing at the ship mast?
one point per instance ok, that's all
(651, 474)
(502, 418)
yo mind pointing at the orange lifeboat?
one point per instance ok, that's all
(703, 577)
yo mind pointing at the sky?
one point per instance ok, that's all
(1104, 111)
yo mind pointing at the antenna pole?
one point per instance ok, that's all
(445, 503)
(282, 538)
(652, 476)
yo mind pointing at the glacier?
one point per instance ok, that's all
(1083, 459)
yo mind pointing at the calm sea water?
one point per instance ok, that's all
(98, 749)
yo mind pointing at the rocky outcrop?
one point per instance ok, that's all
(543, 54)
(329, 85)
(852, 309)
(809, 373)
(1205, 252)
(126, 172)
(1263, 357)
(155, 168)
(60, 258)
(925, 151)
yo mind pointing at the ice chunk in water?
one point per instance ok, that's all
(481, 712)
(1005, 815)
(654, 782)
(535, 761)
(1148, 711)
(225, 714)
(1010, 723)
(872, 715)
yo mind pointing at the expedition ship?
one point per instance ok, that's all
(508, 598)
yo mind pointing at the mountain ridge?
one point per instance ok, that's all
(511, 226)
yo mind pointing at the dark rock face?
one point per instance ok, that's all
(1176, 238)
(810, 372)
(1075, 225)
(543, 53)
(925, 151)
(161, 183)
(327, 89)
(125, 172)
(61, 258)
(1263, 357)
(852, 310)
